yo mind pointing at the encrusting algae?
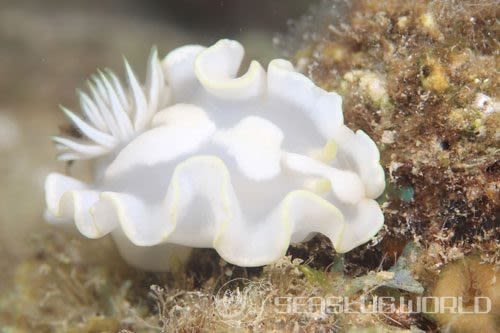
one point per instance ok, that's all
(420, 77)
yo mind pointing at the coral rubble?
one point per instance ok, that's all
(421, 78)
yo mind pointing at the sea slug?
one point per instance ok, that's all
(198, 157)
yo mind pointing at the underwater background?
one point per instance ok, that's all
(420, 77)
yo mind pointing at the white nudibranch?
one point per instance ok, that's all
(198, 157)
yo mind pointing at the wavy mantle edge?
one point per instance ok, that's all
(98, 213)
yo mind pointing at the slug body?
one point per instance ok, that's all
(198, 157)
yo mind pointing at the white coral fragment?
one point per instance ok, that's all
(199, 157)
